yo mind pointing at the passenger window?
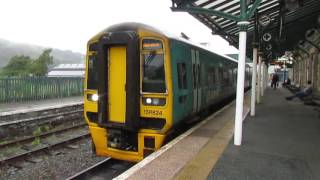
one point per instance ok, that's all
(211, 77)
(199, 76)
(182, 76)
(221, 75)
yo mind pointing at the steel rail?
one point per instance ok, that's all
(39, 109)
(40, 117)
(91, 168)
(18, 156)
(30, 138)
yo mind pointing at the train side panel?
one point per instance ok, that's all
(200, 79)
(181, 71)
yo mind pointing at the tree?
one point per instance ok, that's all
(40, 65)
(24, 65)
(17, 66)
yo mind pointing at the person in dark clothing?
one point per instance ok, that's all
(303, 93)
(274, 81)
(287, 83)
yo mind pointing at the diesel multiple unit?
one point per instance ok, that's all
(141, 83)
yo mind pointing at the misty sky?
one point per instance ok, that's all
(69, 24)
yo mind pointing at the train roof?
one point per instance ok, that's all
(135, 26)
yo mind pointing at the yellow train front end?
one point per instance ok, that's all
(128, 91)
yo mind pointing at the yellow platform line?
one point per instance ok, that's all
(200, 166)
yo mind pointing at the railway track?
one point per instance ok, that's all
(21, 132)
(43, 147)
(43, 135)
(39, 118)
(17, 125)
(105, 169)
(37, 112)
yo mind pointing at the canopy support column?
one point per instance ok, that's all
(259, 81)
(266, 76)
(262, 78)
(240, 82)
(254, 82)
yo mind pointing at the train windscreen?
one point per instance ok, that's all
(153, 73)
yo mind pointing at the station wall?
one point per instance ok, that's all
(306, 64)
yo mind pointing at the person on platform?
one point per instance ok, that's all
(303, 93)
(287, 82)
(274, 81)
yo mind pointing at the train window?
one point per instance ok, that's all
(230, 76)
(153, 73)
(92, 81)
(93, 47)
(235, 72)
(151, 44)
(216, 75)
(199, 76)
(211, 77)
(182, 76)
(221, 74)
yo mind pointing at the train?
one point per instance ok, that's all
(142, 82)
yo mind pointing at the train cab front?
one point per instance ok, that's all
(127, 104)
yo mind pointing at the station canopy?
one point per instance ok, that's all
(277, 25)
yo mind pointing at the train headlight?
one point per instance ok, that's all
(148, 100)
(154, 101)
(93, 97)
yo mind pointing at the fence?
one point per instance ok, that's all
(15, 89)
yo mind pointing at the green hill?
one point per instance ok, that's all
(9, 49)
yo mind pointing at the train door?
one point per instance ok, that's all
(196, 78)
(117, 80)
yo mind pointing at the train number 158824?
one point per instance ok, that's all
(153, 112)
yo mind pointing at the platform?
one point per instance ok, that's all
(280, 142)
(21, 107)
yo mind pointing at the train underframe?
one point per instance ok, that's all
(125, 145)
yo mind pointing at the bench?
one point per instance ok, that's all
(292, 88)
(312, 100)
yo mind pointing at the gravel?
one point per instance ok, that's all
(58, 163)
